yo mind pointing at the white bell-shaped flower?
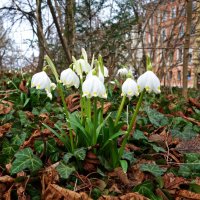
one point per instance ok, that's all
(122, 72)
(93, 87)
(105, 71)
(69, 78)
(129, 88)
(81, 66)
(149, 81)
(100, 75)
(41, 81)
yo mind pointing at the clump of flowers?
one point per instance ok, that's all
(90, 126)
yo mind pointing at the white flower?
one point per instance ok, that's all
(149, 81)
(105, 71)
(81, 66)
(41, 81)
(93, 87)
(122, 72)
(130, 88)
(100, 75)
(69, 78)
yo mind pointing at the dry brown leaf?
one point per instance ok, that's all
(115, 189)
(122, 176)
(5, 107)
(6, 179)
(136, 175)
(189, 146)
(2, 190)
(188, 194)
(36, 133)
(4, 129)
(171, 182)
(194, 102)
(106, 106)
(22, 86)
(129, 196)
(73, 102)
(7, 195)
(56, 192)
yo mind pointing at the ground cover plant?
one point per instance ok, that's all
(78, 140)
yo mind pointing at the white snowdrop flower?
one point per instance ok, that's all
(41, 81)
(122, 72)
(149, 81)
(112, 82)
(81, 66)
(129, 88)
(53, 86)
(93, 87)
(100, 75)
(105, 71)
(69, 78)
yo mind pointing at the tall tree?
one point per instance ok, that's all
(186, 46)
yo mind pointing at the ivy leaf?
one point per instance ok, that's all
(146, 189)
(153, 169)
(80, 153)
(50, 146)
(65, 170)
(156, 118)
(25, 159)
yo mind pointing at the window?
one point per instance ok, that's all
(182, 12)
(151, 21)
(164, 36)
(189, 57)
(192, 30)
(193, 6)
(189, 75)
(171, 56)
(179, 75)
(180, 55)
(164, 17)
(170, 74)
(173, 13)
(181, 31)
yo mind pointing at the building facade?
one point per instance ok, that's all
(165, 38)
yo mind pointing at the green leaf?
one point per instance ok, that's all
(195, 188)
(124, 165)
(65, 170)
(80, 153)
(146, 189)
(153, 169)
(139, 135)
(156, 118)
(25, 159)
(50, 146)
(66, 157)
(157, 148)
(129, 156)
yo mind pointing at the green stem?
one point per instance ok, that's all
(67, 115)
(95, 120)
(88, 108)
(121, 150)
(120, 110)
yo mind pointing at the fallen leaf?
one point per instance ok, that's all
(56, 192)
(129, 196)
(194, 102)
(4, 129)
(73, 102)
(6, 179)
(188, 194)
(22, 86)
(172, 182)
(5, 107)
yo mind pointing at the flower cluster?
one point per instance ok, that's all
(147, 81)
(93, 84)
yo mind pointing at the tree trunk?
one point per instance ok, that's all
(70, 24)
(40, 38)
(186, 47)
(63, 40)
